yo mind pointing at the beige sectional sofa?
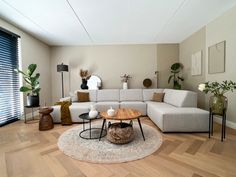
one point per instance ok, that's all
(177, 113)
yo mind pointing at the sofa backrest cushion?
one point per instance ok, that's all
(131, 95)
(108, 95)
(180, 98)
(92, 94)
(148, 93)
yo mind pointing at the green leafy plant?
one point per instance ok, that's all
(217, 88)
(175, 70)
(31, 80)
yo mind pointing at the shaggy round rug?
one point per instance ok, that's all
(103, 151)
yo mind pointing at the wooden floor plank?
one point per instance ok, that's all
(27, 152)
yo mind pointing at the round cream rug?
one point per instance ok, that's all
(103, 151)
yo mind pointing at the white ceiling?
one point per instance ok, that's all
(90, 22)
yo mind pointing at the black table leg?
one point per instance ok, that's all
(224, 124)
(212, 127)
(209, 125)
(104, 121)
(222, 128)
(141, 128)
(90, 128)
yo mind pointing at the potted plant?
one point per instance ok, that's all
(175, 70)
(31, 86)
(124, 80)
(218, 102)
(85, 77)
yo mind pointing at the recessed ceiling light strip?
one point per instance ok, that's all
(32, 21)
(172, 16)
(80, 21)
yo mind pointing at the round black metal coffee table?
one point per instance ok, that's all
(90, 133)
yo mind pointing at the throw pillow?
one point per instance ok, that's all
(73, 97)
(158, 97)
(83, 96)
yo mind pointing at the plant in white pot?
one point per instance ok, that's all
(218, 102)
(124, 80)
(31, 86)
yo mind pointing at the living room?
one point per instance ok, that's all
(158, 67)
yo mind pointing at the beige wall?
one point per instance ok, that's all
(34, 51)
(194, 43)
(224, 28)
(167, 54)
(110, 62)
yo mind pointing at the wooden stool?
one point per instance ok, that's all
(45, 122)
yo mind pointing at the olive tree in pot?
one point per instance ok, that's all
(175, 70)
(31, 86)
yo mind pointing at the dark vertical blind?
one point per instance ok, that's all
(10, 108)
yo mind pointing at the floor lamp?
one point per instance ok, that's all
(62, 68)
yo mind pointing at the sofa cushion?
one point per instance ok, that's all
(131, 95)
(158, 97)
(108, 95)
(139, 105)
(178, 119)
(180, 98)
(105, 105)
(75, 110)
(83, 96)
(92, 95)
(148, 93)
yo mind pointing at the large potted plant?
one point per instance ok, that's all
(175, 70)
(218, 102)
(31, 86)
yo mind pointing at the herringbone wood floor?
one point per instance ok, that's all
(27, 152)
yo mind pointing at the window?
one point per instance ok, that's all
(10, 103)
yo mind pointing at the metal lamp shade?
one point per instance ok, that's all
(62, 68)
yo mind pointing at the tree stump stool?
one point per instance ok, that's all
(120, 133)
(46, 121)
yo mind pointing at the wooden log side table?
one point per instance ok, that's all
(223, 126)
(45, 121)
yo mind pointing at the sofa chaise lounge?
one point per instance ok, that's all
(177, 113)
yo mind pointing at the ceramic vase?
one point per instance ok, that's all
(125, 85)
(84, 84)
(93, 112)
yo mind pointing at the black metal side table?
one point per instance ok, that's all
(223, 126)
(32, 111)
(90, 133)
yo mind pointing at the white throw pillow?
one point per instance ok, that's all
(73, 97)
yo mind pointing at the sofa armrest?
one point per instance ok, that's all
(65, 99)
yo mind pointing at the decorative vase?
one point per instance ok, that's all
(218, 103)
(93, 112)
(111, 112)
(84, 84)
(125, 85)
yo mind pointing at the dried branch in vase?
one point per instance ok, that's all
(125, 78)
(84, 74)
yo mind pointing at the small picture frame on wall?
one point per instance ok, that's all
(216, 58)
(196, 68)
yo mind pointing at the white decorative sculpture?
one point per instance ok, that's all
(111, 112)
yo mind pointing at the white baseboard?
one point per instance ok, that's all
(228, 123)
(29, 115)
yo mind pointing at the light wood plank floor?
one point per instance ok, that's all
(27, 152)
